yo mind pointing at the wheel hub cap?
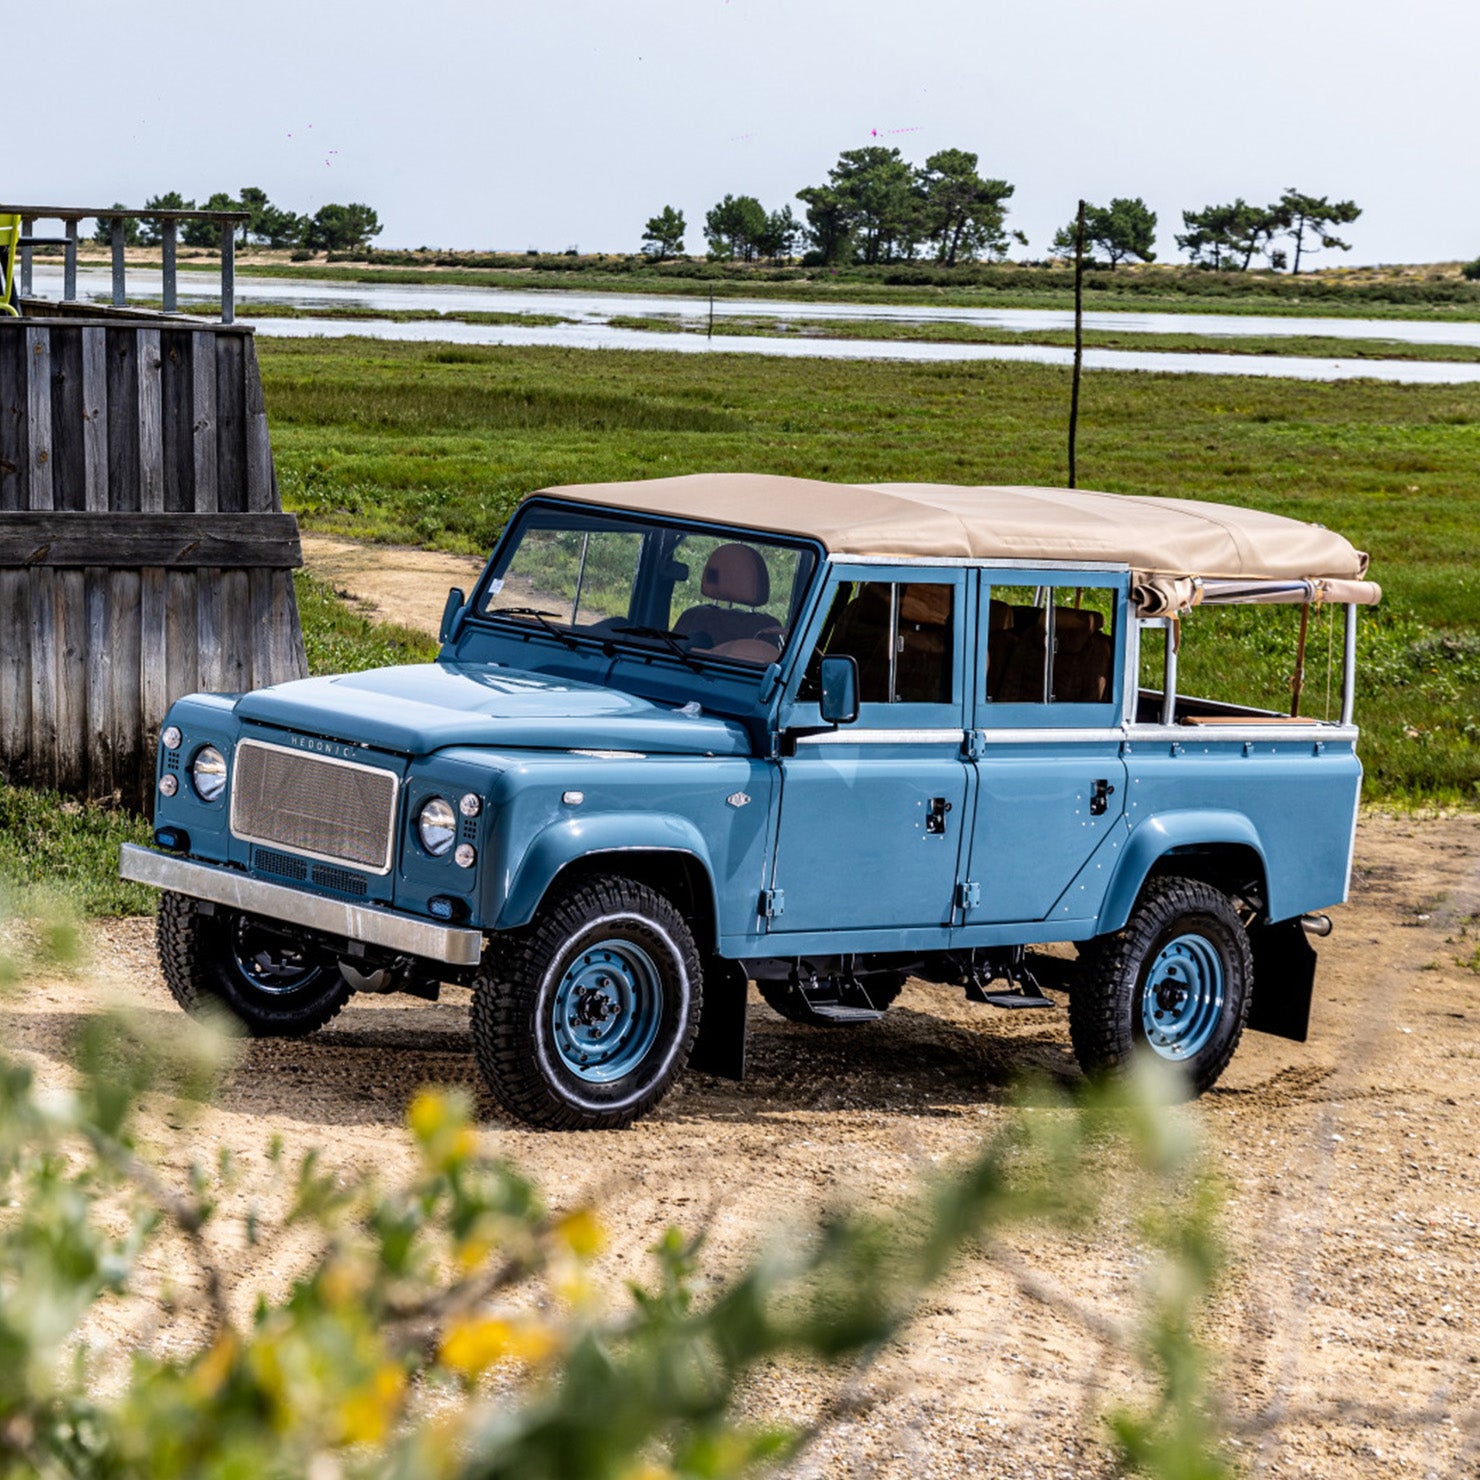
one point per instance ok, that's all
(606, 1011)
(1182, 998)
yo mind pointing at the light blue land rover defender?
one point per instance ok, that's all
(696, 732)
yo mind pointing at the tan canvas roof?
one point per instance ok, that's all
(1153, 536)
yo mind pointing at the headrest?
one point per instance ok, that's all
(926, 605)
(999, 616)
(736, 573)
(1074, 626)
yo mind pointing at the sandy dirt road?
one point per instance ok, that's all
(1352, 1191)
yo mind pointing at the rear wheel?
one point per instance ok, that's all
(230, 965)
(1175, 981)
(583, 1020)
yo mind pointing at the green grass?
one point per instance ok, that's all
(435, 445)
(338, 639)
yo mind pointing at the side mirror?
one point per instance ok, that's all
(839, 684)
(451, 610)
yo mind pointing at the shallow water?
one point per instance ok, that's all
(591, 329)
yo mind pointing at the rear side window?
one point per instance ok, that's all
(902, 635)
(1051, 645)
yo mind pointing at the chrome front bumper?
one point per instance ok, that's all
(456, 945)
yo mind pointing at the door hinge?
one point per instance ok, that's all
(974, 746)
(968, 895)
(773, 903)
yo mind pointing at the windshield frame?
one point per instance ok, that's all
(812, 560)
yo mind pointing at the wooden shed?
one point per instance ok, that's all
(143, 551)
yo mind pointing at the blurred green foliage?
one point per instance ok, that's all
(452, 1325)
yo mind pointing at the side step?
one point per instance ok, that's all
(1024, 998)
(836, 1013)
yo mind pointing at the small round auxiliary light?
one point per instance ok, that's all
(170, 738)
(466, 855)
(169, 784)
(471, 804)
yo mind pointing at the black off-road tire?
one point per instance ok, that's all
(198, 956)
(1105, 1009)
(516, 988)
(783, 998)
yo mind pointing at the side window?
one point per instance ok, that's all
(901, 635)
(1051, 645)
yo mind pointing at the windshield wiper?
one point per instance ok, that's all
(542, 617)
(665, 635)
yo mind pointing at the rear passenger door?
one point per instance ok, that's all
(872, 813)
(1046, 721)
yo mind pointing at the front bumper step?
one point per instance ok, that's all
(456, 945)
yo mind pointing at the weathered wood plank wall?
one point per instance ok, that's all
(143, 551)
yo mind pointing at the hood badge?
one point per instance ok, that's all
(738, 799)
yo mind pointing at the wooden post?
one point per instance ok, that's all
(116, 239)
(69, 269)
(168, 244)
(26, 228)
(228, 274)
(1078, 347)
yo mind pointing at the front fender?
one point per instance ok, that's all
(1157, 836)
(562, 843)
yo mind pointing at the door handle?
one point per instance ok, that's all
(935, 816)
(1099, 800)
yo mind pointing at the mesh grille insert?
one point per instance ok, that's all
(330, 809)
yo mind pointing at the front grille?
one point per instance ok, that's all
(334, 810)
(325, 875)
(284, 865)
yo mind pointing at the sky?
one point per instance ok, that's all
(503, 126)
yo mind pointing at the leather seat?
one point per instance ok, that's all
(1082, 657)
(735, 574)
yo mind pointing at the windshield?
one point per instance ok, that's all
(699, 594)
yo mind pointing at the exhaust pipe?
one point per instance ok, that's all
(1317, 925)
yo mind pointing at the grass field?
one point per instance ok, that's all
(434, 444)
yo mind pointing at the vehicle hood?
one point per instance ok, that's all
(415, 710)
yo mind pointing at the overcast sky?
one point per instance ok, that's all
(494, 125)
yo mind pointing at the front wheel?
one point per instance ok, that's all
(583, 1020)
(228, 965)
(1175, 981)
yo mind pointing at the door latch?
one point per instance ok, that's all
(935, 817)
(1099, 800)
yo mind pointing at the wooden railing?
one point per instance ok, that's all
(169, 223)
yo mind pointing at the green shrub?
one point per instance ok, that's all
(1471, 270)
(451, 1325)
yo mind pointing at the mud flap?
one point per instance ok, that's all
(1284, 980)
(720, 1046)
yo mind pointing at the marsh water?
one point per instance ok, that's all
(588, 325)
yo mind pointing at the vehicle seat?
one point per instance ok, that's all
(1020, 680)
(1000, 641)
(923, 670)
(735, 574)
(863, 634)
(1082, 657)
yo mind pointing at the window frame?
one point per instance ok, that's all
(1050, 713)
(876, 715)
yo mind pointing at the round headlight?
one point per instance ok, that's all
(168, 784)
(437, 824)
(208, 774)
(471, 804)
(170, 738)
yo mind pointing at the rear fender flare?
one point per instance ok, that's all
(1154, 838)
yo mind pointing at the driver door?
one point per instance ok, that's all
(872, 812)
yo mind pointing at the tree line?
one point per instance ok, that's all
(332, 228)
(875, 207)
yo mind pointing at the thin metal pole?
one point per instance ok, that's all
(167, 241)
(711, 313)
(228, 274)
(1349, 666)
(26, 229)
(1297, 682)
(69, 268)
(116, 237)
(1078, 346)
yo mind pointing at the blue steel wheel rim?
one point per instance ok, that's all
(607, 1010)
(1182, 998)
